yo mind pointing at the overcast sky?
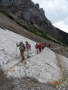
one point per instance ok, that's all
(56, 11)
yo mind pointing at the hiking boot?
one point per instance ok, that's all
(22, 59)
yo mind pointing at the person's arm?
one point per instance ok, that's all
(17, 45)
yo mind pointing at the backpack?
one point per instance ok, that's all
(21, 47)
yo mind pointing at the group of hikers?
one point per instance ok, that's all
(23, 47)
(39, 47)
(27, 47)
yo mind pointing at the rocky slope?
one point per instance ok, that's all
(7, 23)
(32, 17)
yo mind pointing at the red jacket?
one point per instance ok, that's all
(40, 45)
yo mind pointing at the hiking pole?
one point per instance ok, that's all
(16, 48)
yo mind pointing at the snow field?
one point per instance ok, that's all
(42, 66)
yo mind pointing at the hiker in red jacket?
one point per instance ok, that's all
(37, 48)
(40, 47)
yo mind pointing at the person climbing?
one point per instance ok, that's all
(37, 48)
(28, 48)
(49, 46)
(44, 44)
(40, 47)
(22, 49)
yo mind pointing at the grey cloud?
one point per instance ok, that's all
(54, 16)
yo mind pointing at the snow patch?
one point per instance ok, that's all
(42, 66)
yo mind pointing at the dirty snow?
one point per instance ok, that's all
(42, 66)
(64, 62)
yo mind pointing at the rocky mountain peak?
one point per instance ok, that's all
(24, 8)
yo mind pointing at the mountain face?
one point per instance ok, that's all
(32, 17)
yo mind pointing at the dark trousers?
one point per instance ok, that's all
(39, 49)
(22, 53)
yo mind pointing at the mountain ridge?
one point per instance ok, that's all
(32, 17)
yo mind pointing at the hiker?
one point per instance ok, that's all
(37, 48)
(40, 47)
(22, 49)
(28, 48)
(44, 44)
(49, 46)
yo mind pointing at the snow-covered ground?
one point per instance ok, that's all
(43, 66)
(8, 50)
